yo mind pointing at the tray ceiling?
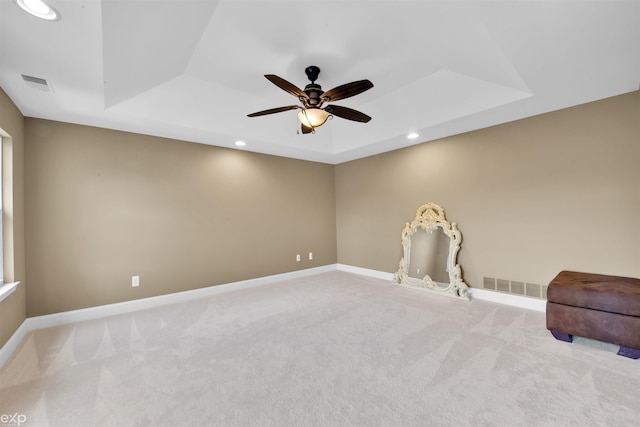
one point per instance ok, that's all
(192, 70)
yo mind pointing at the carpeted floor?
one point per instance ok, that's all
(333, 349)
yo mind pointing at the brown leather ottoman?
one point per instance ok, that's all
(604, 308)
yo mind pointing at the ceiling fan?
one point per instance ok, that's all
(312, 115)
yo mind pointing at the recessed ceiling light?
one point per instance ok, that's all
(39, 9)
(240, 143)
(413, 135)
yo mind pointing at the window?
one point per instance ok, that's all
(5, 288)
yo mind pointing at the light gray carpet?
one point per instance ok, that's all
(333, 349)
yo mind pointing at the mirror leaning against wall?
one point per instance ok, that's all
(430, 250)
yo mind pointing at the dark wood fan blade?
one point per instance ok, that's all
(273, 110)
(346, 90)
(347, 113)
(306, 129)
(286, 86)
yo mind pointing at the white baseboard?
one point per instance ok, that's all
(45, 321)
(12, 343)
(509, 299)
(48, 320)
(477, 293)
(91, 313)
(365, 271)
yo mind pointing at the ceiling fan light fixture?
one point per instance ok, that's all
(39, 9)
(313, 117)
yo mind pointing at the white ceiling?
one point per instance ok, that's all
(193, 69)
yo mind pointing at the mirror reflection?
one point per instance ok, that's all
(429, 251)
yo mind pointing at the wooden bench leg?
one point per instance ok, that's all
(629, 352)
(561, 336)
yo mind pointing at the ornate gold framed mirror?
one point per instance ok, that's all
(430, 250)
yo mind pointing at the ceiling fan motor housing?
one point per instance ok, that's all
(314, 92)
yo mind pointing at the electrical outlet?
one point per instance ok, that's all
(298, 258)
(135, 281)
(310, 256)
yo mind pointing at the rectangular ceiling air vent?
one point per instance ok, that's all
(36, 83)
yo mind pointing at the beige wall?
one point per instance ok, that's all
(104, 205)
(13, 308)
(531, 198)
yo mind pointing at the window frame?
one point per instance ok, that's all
(6, 289)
